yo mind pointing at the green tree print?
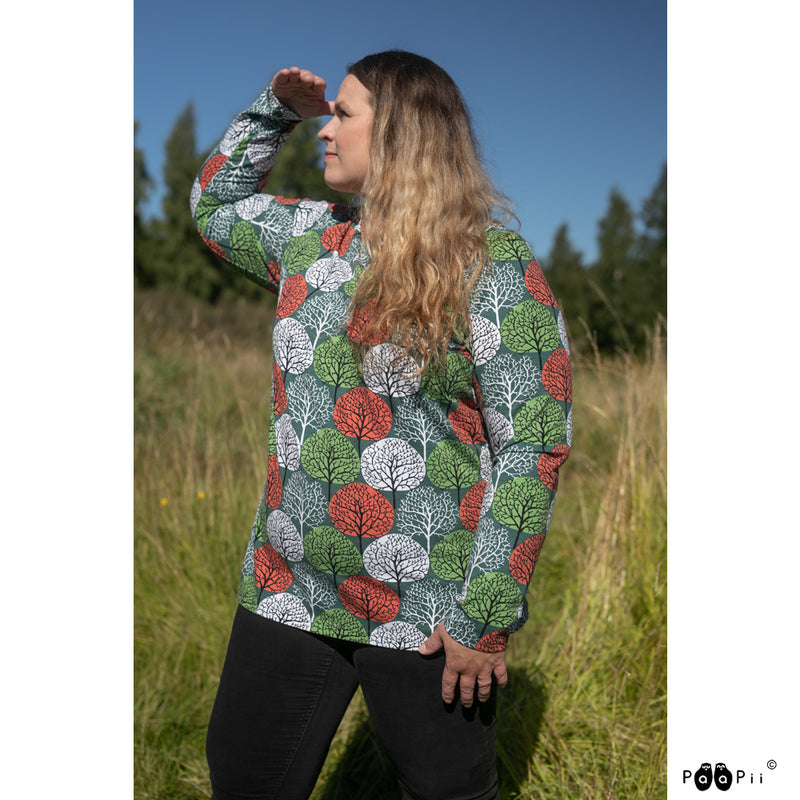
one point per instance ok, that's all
(335, 363)
(247, 250)
(450, 557)
(302, 252)
(493, 599)
(328, 456)
(340, 624)
(522, 504)
(508, 246)
(453, 465)
(451, 383)
(541, 421)
(530, 328)
(329, 550)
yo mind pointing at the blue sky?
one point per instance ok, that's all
(569, 97)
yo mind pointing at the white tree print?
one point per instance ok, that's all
(323, 313)
(285, 608)
(392, 465)
(287, 444)
(501, 289)
(284, 536)
(388, 372)
(508, 382)
(328, 274)
(396, 558)
(397, 635)
(485, 340)
(490, 553)
(418, 419)
(515, 462)
(315, 588)
(305, 215)
(304, 501)
(499, 429)
(271, 221)
(311, 403)
(427, 603)
(220, 223)
(562, 332)
(427, 514)
(291, 346)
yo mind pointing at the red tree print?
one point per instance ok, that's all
(211, 168)
(278, 389)
(287, 201)
(358, 328)
(293, 293)
(478, 394)
(369, 599)
(493, 642)
(338, 238)
(470, 510)
(548, 465)
(359, 510)
(271, 571)
(523, 558)
(215, 248)
(537, 285)
(274, 271)
(274, 490)
(361, 414)
(467, 423)
(557, 375)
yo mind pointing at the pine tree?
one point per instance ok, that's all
(567, 278)
(653, 250)
(614, 278)
(183, 260)
(142, 185)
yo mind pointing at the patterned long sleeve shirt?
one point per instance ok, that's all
(393, 501)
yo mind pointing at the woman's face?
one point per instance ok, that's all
(348, 137)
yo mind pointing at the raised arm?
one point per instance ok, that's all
(237, 221)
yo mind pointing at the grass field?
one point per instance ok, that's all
(584, 715)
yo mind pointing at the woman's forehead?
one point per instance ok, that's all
(353, 91)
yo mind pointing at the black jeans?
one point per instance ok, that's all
(283, 693)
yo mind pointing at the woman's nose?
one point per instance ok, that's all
(326, 132)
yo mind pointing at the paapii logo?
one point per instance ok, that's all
(721, 777)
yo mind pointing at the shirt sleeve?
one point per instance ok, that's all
(523, 385)
(236, 220)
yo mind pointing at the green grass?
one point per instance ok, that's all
(584, 714)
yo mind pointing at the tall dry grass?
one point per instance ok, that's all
(584, 714)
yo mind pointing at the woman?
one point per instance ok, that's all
(421, 399)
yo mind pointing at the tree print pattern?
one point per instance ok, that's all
(363, 512)
(396, 559)
(369, 599)
(329, 550)
(394, 500)
(361, 414)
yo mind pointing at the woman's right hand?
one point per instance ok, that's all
(302, 91)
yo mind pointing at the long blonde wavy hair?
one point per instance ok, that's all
(427, 204)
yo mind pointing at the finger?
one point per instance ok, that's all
(484, 687)
(449, 679)
(434, 641)
(466, 690)
(331, 106)
(501, 675)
